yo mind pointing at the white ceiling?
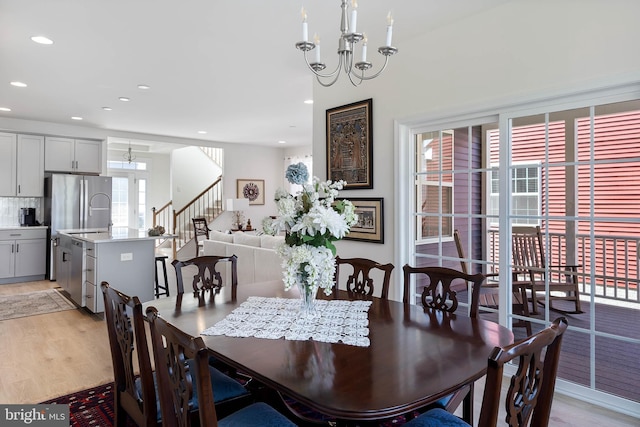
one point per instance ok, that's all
(226, 67)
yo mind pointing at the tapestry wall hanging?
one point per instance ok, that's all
(350, 144)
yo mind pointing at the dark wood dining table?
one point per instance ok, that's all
(415, 357)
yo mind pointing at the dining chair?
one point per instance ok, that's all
(489, 293)
(530, 266)
(359, 283)
(207, 276)
(439, 293)
(133, 395)
(200, 232)
(180, 384)
(530, 394)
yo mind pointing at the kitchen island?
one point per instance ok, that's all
(124, 257)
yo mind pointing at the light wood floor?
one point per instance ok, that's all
(50, 355)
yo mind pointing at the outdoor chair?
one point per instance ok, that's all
(530, 395)
(489, 297)
(359, 283)
(200, 233)
(181, 384)
(439, 294)
(530, 267)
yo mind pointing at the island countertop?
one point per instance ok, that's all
(118, 234)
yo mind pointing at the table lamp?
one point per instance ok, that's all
(237, 206)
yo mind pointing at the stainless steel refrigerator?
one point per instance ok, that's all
(75, 202)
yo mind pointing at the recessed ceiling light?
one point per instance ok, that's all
(76, 118)
(18, 84)
(5, 109)
(308, 101)
(202, 132)
(144, 87)
(282, 142)
(107, 108)
(42, 40)
(124, 99)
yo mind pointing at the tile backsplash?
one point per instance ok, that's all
(10, 209)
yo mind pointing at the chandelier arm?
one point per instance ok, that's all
(327, 84)
(373, 76)
(318, 74)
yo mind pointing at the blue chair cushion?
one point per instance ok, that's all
(224, 387)
(257, 414)
(436, 418)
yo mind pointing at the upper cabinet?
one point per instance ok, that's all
(72, 155)
(21, 165)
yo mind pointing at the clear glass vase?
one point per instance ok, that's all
(308, 292)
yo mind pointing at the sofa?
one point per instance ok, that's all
(257, 258)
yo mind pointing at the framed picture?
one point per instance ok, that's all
(370, 225)
(252, 189)
(350, 144)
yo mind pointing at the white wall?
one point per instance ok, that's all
(158, 185)
(191, 172)
(522, 50)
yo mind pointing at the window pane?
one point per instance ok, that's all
(120, 201)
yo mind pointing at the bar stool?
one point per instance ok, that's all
(165, 287)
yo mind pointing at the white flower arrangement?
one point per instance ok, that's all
(312, 220)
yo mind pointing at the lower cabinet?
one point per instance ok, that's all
(94, 300)
(22, 255)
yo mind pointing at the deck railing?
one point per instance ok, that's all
(608, 262)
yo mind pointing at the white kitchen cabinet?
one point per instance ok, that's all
(8, 154)
(72, 155)
(21, 165)
(22, 254)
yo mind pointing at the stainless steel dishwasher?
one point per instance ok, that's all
(75, 277)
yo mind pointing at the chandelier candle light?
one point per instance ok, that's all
(312, 220)
(346, 43)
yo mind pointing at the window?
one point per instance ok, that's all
(129, 188)
(434, 185)
(525, 193)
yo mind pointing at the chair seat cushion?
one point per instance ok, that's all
(224, 387)
(257, 414)
(436, 417)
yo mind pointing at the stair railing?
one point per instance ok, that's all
(207, 204)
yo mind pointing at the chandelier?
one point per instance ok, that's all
(129, 156)
(346, 43)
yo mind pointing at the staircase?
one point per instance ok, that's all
(208, 204)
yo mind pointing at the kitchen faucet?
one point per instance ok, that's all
(91, 209)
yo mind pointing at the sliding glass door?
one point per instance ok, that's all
(573, 172)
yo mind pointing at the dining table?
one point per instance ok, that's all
(413, 356)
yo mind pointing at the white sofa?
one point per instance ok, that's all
(257, 258)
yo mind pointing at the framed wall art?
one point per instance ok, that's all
(370, 225)
(350, 144)
(252, 189)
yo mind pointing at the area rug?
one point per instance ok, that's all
(94, 408)
(91, 408)
(33, 303)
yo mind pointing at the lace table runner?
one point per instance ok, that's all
(274, 318)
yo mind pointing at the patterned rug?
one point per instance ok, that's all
(33, 303)
(91, 408)
(94, 408)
